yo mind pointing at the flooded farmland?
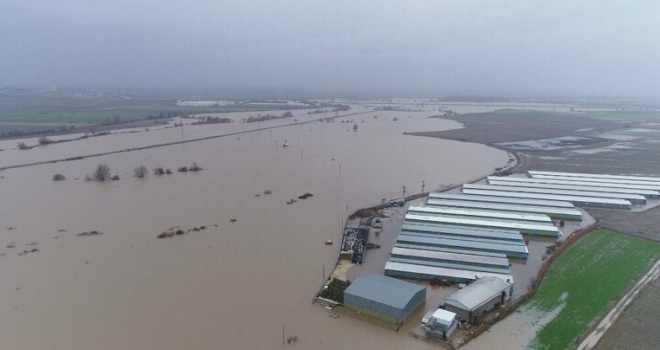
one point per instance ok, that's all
(250, 274)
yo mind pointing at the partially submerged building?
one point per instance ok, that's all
(384, 298)
(427, 273)
(479, 297)
(552, 212)
(439, 323)
(576, 200)
(633, 198)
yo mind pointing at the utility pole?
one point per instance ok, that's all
(404, 193)
(423, 186)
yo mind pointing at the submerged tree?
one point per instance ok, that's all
(102, 172)
(141, 171)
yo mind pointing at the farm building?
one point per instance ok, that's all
(501, 200)
(573, 181)
(427, 273)
(633, 198)
(552, 212)
(595, 176)
(461, 246)
(578, 187)
(449, 250)
(481, 214)
(439, 323)
(459, 232)
(383, 297)
(523, 228)
(464, 259)
(481, 296)
(576, 200)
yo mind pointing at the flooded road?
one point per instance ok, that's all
(233, 284)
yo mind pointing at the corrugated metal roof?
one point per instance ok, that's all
(481, 214)
(518, 201)
(439, 271)
(451, 265)
(496, 247)
(576, 187)
(520, 226)
(520, 241)
(586, 179)
(573, 181)
(554, 192)
(451, 256)
(449, 250)
(573, 198)
(477, 293)
(596, 176)
(462, 231)
(385, 290)
(504, 207)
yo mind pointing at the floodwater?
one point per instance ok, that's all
(237, 285)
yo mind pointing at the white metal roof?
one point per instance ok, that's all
(503, 207)
(419, 253)
(580, 187)
(572, 181)
(449, 250)
(484, 223)
(597, 176)
(572, 198)
(477, 293)
(596, 180)
(441, 271)
(462, 231)
(555, 192)
(518, 201)
(444, 317)
(481, 213)
(477, 239)
(467, 245)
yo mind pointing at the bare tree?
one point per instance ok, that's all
(58, 177)
(102, 173)
(141, 171)
(22, 145)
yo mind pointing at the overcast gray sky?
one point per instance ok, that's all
(559, 47)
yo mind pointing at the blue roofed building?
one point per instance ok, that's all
(385, 298)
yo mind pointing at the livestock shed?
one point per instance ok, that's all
(524, 228)
(574, 181)
(553, 212)
(460, 232)
(576, 200)
(579, 187)
(462, 246)
(385, 298)
(501, 200)
(595, 176)
(450, 260)
(481, 296)
(633, 198)
(427, 273)
(477, 213)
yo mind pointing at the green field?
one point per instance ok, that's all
(590, 275)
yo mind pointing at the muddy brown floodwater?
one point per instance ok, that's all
(234, 285)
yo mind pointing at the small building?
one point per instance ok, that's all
(439, 323)
(481, 296)
(385, 298)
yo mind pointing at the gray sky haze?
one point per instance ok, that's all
(607, 48)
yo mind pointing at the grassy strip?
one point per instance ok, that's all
(593, 273)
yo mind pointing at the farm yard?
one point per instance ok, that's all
(585, 281)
